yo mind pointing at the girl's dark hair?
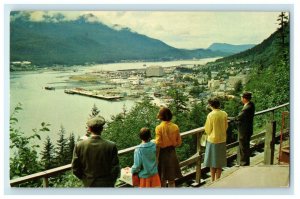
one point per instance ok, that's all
(214, 102)
(145, 134)
(165, 114)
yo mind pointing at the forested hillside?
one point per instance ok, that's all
(270, 63)
(81, 42)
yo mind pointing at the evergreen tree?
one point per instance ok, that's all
(283, 29)
(283, 21)
(124, 129)
(179, 103)
(61, 148)
(71, 145)
(238, 87)
(95, 111)
(47, 154)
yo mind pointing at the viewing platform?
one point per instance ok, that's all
(267, 168)
(260, 176)
(257, 175)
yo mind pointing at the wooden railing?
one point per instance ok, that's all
(269, 135)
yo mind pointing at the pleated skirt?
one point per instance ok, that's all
(215, 155)
(168, 164)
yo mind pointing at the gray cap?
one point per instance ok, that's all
(96, 121)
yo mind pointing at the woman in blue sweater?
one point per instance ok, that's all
(145, 164)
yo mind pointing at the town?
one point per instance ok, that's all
(198, 82)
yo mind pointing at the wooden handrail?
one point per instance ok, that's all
(272, 109)
(193, 159)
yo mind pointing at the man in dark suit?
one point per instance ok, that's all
(245, 128)
(95, 160)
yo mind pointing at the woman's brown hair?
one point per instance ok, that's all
(165, 114)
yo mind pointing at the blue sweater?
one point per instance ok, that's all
(145, 160)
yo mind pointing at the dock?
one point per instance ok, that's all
(91, 94)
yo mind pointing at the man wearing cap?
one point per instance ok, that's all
(245, 128)
(95, 160)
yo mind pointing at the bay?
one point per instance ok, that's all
(60, 109)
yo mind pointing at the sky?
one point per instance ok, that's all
(186, 29)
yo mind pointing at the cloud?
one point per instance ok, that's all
(197, 29)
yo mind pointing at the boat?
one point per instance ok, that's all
(49, 88)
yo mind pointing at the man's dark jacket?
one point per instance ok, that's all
(95, 162)
(245, 120)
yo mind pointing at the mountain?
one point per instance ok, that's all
(229, 48)
(269, 64)
(263, 54)
(81, 41)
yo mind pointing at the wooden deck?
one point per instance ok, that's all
(257, 175)
(261, 176)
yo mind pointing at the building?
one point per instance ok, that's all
(154, 71)
(134, 80)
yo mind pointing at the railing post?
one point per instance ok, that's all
(270, 142)
(45, 181)
(198, 163)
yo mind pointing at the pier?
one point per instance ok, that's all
(91, 94)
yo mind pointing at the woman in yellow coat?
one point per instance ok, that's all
(215, 127)
(167, 137)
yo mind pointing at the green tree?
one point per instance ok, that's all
(238, 87)
(61, 148)
(47, 155)
(179, 103)
(283, 29)
(95, 111)
(70, 147)
(196, 90)
(283, 20)
(24, 157)
(143, 114)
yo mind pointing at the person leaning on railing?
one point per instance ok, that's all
(245, 128)
(95, 160)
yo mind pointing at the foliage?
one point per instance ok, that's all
(70, 148)
(195, 118)
(61, 149)
(143, 114)
(95, 111)
(238, 87)
(48, 154)
(179, 103)
(196, 91)
(23, 149)
(65, 180)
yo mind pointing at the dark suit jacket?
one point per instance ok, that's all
(245, 120)
(95, 160)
